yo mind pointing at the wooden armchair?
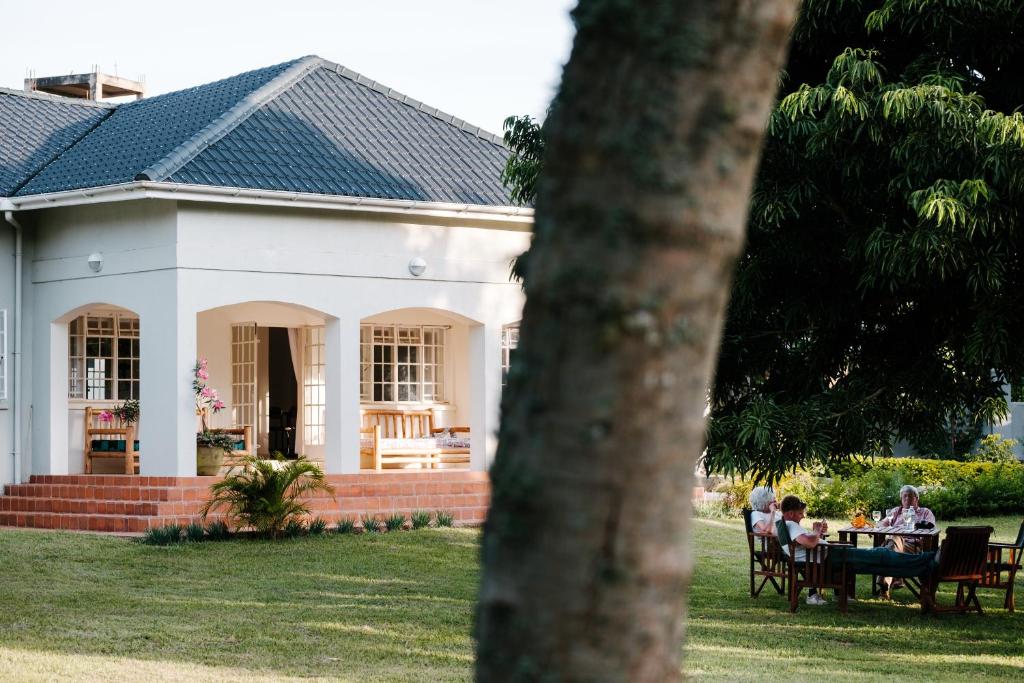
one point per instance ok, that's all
(962, 558)
(1001, 570)
(818, 569)
(110, 439)
(766, 560)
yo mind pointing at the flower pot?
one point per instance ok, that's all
(208, 460)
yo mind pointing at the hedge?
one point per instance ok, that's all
(949, 488)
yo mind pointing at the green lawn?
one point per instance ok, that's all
(399, 607)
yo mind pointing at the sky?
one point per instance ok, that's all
(480, 60)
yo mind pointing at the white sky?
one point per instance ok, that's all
(480, 60)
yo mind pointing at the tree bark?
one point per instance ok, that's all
(652, 147)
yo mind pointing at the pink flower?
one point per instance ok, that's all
(218, 406)
(203, 374)
(207, 392)
(105, 416)
(202, 363)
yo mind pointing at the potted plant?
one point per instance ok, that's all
(210, 443)
(210, 447)
(127, 414)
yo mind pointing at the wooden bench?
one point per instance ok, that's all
(380, 426)
(109, 439)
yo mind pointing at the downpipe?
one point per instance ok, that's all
(16, 390)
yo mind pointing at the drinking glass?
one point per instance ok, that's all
(877, 516)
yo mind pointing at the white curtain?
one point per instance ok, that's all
(295, 346)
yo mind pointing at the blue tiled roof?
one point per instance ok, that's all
(303, 126)
(35, 128)
(141, 133)
(329, 134)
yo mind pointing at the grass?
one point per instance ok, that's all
(399, 606)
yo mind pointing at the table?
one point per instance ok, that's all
(929, 541)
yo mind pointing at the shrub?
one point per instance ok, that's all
(217, 531)
(712, 509)
(195, 533)
(371, 524)
(265, 495)
(293, 528)
(394, 522)
(318, 526)
(444, 518)
(994, 448)
(163, 535)
(346, 526)
(736, 493)
(420, 519)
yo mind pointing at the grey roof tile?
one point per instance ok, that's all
(35, 128)
(303, 126)
(141, 133)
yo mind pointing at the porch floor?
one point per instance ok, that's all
(121, 503)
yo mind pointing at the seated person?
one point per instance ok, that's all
(909, 500)
(763, 513)
(792, 512)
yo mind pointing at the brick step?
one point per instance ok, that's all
(104, 492)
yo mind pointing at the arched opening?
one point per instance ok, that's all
(102, 380)
(267, 361)
(415, 378)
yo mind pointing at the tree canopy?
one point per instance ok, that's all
(880, 294)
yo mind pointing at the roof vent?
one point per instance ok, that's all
(91, 86)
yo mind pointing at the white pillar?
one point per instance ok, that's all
(341, 453)
(167, 424)
(50, 453)
(484, 392)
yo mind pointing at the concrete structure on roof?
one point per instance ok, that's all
(328, 244)
(94, 86)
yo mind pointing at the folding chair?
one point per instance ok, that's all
(962, 558)
(767, 562)
(817, 570)
(1000, 572)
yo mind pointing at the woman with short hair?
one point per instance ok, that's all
(763, 508)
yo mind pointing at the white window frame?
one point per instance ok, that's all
(3, 354)
(243, 374)
(400, 370)
(509, 342)
(314, 387)
(125, 326)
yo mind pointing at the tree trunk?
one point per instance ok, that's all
(652, 147)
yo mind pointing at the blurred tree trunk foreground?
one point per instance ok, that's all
(652, 147)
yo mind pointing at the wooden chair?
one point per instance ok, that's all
(1001, 571)
(766, 560)
(818, 570)
(962, 559)
(109, 440)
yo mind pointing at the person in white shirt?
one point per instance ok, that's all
(792, 512)
(763, 510)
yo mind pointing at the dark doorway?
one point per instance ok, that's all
(283, 392)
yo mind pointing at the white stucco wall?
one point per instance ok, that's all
(174, 263)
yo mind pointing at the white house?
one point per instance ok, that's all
(327, 243)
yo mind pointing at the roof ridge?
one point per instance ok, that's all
(85, 133)
(357, 77)
(228, 121)
(74, 101)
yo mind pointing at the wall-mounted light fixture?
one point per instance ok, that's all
(96, 262)
(417, 266)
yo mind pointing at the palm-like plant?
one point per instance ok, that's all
(265, 495)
